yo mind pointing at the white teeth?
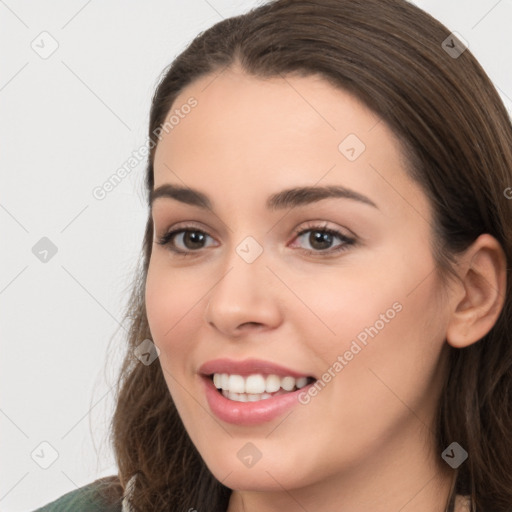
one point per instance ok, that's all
(287, 383)
(237, 397)
(236, 384)
(243, 397)
(300, 383)
(255, 384)
(272, 384)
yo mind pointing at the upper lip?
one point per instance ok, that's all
(248, 367)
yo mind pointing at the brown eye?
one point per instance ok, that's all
(320, 240)
(187, 240)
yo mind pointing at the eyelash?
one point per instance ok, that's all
(166, 239)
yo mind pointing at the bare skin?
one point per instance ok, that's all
(365, 441)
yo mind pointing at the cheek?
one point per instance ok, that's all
(386, 323)
(172, 320)
(391, 349)
(342, 304)
(170, 311)
(159, 302)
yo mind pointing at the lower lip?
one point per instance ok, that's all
(249, 413)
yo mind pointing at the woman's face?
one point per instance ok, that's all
(361, 312)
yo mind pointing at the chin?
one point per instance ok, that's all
(260, 477)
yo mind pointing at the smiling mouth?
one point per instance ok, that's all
(256, 387)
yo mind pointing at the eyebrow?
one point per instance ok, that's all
(288, 198)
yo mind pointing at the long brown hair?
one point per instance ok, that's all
(457, 140)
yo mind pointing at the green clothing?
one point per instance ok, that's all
(84, 499)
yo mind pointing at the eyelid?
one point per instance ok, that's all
(319, 225)
(322, 225)
(182, 226)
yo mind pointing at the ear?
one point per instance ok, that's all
(483, 275)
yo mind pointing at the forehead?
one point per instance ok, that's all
(235, 106)
(253, 135)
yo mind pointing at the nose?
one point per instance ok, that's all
(245, 298)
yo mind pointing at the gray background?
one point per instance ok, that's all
(68, 122)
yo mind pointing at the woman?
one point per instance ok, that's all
(321, 318)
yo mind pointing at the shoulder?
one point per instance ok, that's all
(102, 495)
